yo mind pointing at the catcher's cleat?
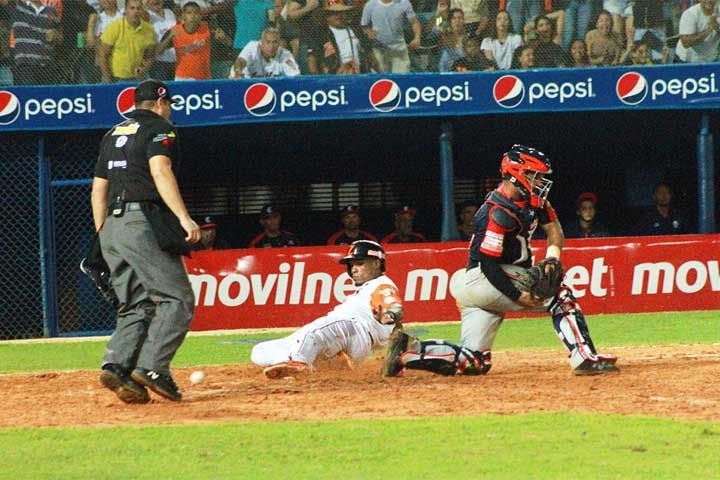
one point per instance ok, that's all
(288, 369)
(393, 364)
(116, 379)
(600, 366)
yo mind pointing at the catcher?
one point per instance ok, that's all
(500, 278)
(364, 320)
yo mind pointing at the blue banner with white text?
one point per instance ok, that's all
(222, 102)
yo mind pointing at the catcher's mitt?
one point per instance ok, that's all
(544, 279)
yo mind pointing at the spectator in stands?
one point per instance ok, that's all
(220, 15)
(578, 54)
(646, 23)
(548, 54)
(474, 59)
(383, 22)
(604, 47)
(403, 232)
(476, 16)
(35, 32)
(577, 18)
(452, 41)
(500, 47)
(351, 221)
(251, 18)
(73, 64)
(586, 224)
(636, 54)
(209, 239)
(521, 12)
(663, 219)
(162, 20)
(699, 33)
(524, 58)
(97, 24)
(272, 234)
(434, 26)
(265, 58)
(338, 49)
(466, 214)
(555, 11)
(302, 22)
(193, 44)
(619, 10)
(130, 42)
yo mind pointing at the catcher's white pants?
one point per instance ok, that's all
(324, 336)
(482, 310)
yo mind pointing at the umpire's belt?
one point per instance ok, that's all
(129, 207)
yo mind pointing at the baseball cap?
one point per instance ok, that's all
(269, 211)
(585, 196)
(336, 5)
(152, 90)
(405, 210)
(207, 222)
(348, 209)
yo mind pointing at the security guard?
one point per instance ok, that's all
(135, 201)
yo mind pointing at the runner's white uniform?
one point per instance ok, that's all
(350, 327)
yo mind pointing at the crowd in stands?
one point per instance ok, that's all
(662, 218)
(92, 41)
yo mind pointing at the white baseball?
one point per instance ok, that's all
(197, 377)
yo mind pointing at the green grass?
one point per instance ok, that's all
(555, 446)
(607, 330)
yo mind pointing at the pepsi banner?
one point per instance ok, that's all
(289, 287)
(222, 102)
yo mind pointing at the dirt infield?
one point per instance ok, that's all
(679, 382)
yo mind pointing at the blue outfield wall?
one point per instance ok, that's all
(310, 98)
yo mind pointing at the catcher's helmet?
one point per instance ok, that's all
(525, 167)
(360, 249)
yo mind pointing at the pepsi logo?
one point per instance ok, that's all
(126, 101)
(508, 91)
(384, 95)
(260, 99)
(631, 88)
(9, 107)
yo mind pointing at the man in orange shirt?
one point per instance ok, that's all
(191, 40)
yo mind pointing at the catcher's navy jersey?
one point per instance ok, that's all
(504, 228)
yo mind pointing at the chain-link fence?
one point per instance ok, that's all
(62, 301)
(21, 314)
(80, 306)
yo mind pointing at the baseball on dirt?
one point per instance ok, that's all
(197, 377)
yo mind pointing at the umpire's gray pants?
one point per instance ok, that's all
(156, 301)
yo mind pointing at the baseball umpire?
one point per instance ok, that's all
(144, 230)
(362, 321)
(500, 278)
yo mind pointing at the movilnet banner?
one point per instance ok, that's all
(288, 287)
(223, 102)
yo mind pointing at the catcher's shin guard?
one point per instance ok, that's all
(572, 329)
(445, 358)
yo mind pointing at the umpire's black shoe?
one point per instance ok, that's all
(159, 383)
(117, 379)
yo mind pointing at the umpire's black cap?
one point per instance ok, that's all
(152, 90)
